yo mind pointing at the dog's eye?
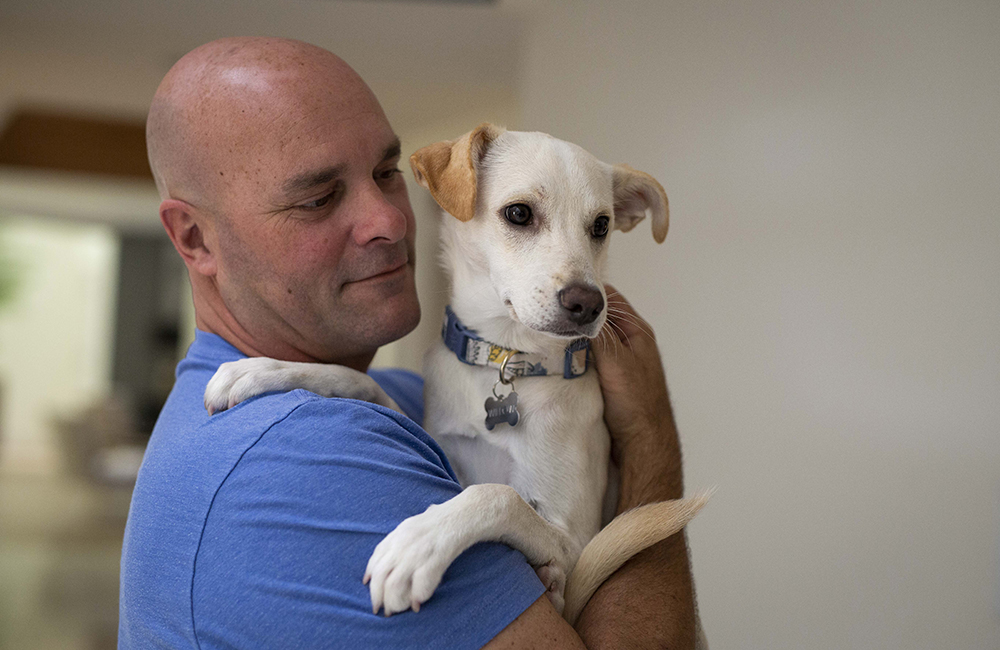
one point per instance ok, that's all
(600, 228)
(518, 214)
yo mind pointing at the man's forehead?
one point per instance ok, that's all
(285, 105)
(288, 117)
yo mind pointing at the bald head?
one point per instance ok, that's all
(209, 113)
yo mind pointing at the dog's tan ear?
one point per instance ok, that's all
(637, 193)
(448, 169)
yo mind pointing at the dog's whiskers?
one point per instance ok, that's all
(624, 334)
(630, 318)
(607, 332)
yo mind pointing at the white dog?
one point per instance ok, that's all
(526, 249)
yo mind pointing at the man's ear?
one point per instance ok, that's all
(637, 193)
(186, 230)
(448, 169)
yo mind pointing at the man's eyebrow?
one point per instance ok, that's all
(308, 180)
(393, 150)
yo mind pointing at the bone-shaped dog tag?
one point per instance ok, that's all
(500, 410)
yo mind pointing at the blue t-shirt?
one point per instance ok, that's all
(252, 528)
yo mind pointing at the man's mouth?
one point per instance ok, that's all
(394, 266)
(388, 272)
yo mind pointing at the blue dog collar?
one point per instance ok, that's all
(473, 350)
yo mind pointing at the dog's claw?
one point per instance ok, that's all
(407, 565)
(553, 578)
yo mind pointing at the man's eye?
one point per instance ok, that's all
(318, 203)
(388, 173)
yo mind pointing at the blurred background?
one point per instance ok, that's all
(827, 301)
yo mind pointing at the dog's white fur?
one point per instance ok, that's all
(505, 282)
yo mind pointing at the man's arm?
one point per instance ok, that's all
(649, 601)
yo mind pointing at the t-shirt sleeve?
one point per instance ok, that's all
(287, 539)
(404, 386)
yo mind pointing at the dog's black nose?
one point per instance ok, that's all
(583, 304)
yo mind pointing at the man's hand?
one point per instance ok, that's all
(636, 404)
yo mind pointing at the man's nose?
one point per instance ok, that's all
(582, 304)
(378, 218)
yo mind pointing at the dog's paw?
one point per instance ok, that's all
(406, 567)
(554, 579)
(237, 381)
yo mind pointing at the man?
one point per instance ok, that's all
(251, 529)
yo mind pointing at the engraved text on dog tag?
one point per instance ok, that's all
(503, 409)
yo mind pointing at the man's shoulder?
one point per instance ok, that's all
(331, 430)
(404, 386)
(280, 470)
(326, 456)
(307, 450)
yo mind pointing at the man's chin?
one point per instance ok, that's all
(373, 313)
(389, 319)
(405, 322)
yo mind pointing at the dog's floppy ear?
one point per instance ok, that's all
(448, 169)
(637, 193)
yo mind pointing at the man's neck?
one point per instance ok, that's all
(223, 324)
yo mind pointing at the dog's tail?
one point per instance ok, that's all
(626, 535)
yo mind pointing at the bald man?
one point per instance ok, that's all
(281, 190)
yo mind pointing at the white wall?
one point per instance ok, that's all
(827, 300)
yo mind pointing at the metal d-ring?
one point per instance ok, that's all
(503, 369)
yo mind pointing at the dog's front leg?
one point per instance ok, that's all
(406, 567)
(237, 381)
